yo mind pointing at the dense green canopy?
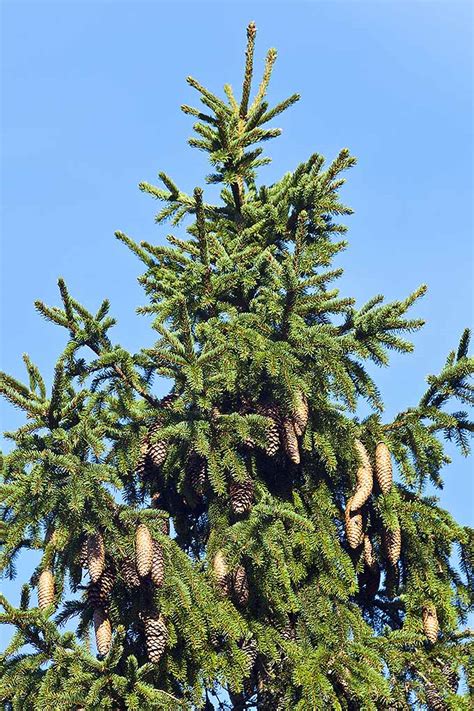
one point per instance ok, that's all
(267, 598)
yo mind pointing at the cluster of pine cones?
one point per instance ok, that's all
(282, 431)
(233, 583)
(355, 515)
(147, 565)
(355, 520)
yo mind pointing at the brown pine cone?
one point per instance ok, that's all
(157, 572)
(156, 636)
(98, 594)
(95, 556)
(288, 632)
(372, 570)
(249, 647)
(430, 623)
(129, 573)
(365, 478)
(241, 495)
(45, 589)
(434, 699)
(290, 441)
(82, 554)
(240, 585)
(221, 572)
(354, 526)
(392, 541)
(103, 631)
(144, 467)
(383, 467)
(143, 550)
(196, 468)
(300, 415)
(273, 427)
(157, 449)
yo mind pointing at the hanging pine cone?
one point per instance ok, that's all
(433, 698)
(158, 448)
(392, 541)
(143, 467)
(166, 402)
(143, 550)
(430, 623)
(451, 676)
(364, 478)
(240, 585)
(95, 556)
(98, 594)
(196, 468)
(300, 415)
(45, 589)
(241, 495)
(129, 573)
(290, 441)
(354, 526)
(249, 647)
(156, 636)
(157, 572)
(288, 632)
(82, 554)
(221, 572)
(372, 570)
(273, 427)
(103, 631)
(383, 467)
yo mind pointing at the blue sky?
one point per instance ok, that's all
(91, 95)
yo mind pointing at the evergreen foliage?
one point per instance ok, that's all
(256, 595)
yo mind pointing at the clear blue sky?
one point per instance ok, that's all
(91, 95)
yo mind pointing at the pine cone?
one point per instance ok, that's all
(82, 554)
(143, 550)
(451, 676)
(249, 647)
(392, 541)
(288, 632)
(365, 478)
(240, 585)
(166, 402)
(241, 495)
(98, 594)
(434, 699)
(301, 415)
(196, 467)
(129, 573)
(221, 572)
(371, 574)
(430, 623)
(157, 572)
(290, 441)
(156, 636)
(383, 467)
(103, 631)
(354, 526)
(157, 449)
(143, 467)
(45, 589)
(273, 428)
(95, 556)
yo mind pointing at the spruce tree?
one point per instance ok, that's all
(249, 537)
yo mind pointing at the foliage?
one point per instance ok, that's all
(245, 313)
